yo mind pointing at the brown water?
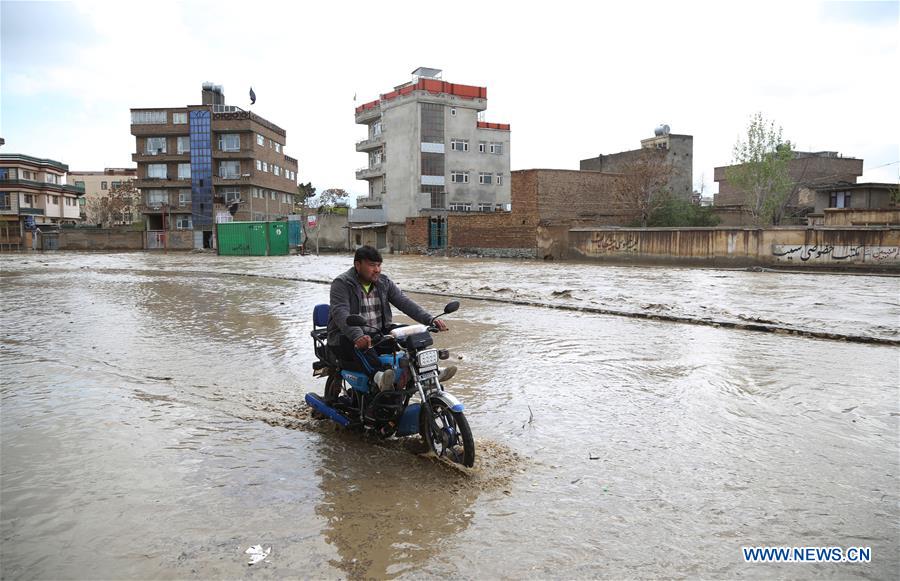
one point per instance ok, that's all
(152, 425)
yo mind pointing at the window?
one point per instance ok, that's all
(376, 129)
(277, 147)
(485, 207)
(79, 185)
(183, 222)
(157, 197)
(497, 148)
(260, 140)
(482, 146)
(4, 201)
(230, 170)
(179, 118)
(7, 173)
(230, 193)
(432, 123)
(184, 196)
(460, 207)
(276, 170)
(229, 142)
(485, 178)
(156, 170)
(103, 186)
(184, 171)
(499, 181)
(184, 144)
(54, 200)
(27, 175)
(259, 217)
(29, 199)
(265, 166)
(258, 165)
(839, 200)
(272, 194)
(459, 145)
(155, 145)
(51, 178)
(255, 193)
(459, 177)
(453, 111)
(148, 118)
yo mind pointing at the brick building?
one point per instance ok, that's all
(546, 203)
(34, 191)
(195, 161)
(675, 150)
(808, 170)
(429, 152)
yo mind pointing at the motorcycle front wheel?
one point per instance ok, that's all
(449, 434)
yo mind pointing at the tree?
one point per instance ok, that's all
(761, 171)
(644, 184)
(330, 199)
(119, 206)
(674, 213)
(304, 193)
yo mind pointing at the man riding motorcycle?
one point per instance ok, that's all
(363, 290)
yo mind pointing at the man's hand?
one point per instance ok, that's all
(363, 343)
(441, 325)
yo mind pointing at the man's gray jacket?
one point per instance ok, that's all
(346, 300)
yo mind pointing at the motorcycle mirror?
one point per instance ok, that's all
(356, 321)
(451, 307)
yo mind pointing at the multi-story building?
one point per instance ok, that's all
(33, 192)
(809, 171)
(430, 152)
(194, 162)
(100, 184)
(677, 151)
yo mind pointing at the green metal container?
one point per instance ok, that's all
(252, 238)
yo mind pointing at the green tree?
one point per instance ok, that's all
(761, 171)
(674, 213)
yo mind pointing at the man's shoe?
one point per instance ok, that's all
(385, 379)
(447, 373)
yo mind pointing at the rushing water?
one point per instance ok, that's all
(152, 425)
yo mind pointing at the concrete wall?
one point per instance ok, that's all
(860, 198)
(331, 231)
(844, 247)
(851, 217)
(100, 239)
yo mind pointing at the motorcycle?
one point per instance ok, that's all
(353, 400)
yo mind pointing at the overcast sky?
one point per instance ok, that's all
(574, 79)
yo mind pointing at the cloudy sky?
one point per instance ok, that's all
(574, 79)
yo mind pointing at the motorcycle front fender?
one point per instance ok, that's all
(448, 400)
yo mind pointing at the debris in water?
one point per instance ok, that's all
(257, 554)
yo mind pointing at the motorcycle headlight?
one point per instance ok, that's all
(428, 358)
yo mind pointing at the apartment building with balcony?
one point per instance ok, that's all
(429, 151)
(193, 162)
(98, 184)
(34, 191)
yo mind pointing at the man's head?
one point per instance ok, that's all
(367, 262)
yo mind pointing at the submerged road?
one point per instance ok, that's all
(152, 423)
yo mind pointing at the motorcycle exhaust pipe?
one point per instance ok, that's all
(317, 403)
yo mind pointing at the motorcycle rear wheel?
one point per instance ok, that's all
(453, 438)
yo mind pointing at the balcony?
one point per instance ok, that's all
(366, 114)
(368, 173)
(370, 144)
(28, 211)
(144, 157)
(151, 130)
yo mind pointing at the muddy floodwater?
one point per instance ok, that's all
(153, 425)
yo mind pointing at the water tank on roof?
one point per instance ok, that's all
(663, 129)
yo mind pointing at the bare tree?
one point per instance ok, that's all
(644, 186)
(119, 206)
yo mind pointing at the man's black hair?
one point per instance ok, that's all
(367, 253)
